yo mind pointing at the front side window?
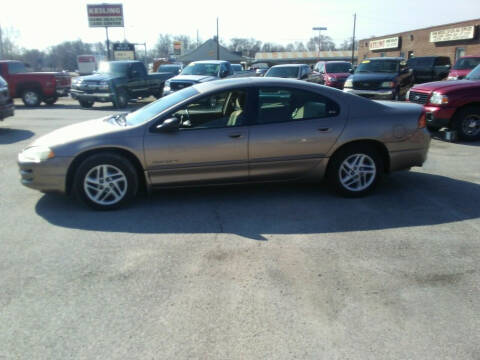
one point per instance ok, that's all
(225, 109)
(281, 105)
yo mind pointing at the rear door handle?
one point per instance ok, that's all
(324, 129)
(235, 136)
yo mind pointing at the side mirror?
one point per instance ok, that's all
(223, 73)
(304, 76)
(351, 71)
(169, 125)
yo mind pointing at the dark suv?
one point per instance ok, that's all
(387, 78)
(429, 68)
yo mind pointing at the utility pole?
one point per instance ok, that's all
(218, 43)
(319, 28)
(108, 44)
(353, 37)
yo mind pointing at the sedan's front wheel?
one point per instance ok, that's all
(106, 181)
(355, 170)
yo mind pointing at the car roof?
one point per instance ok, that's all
(386, 58)
(289, 65)
(209, 62)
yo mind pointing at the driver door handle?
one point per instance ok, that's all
(235, 135)
(324, 129)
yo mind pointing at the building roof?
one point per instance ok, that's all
(208, 51)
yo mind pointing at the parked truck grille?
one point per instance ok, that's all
(366, 85)
(179, 85)
(418, 97)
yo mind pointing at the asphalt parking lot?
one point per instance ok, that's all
(287, 271)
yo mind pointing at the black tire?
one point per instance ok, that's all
(432, 129)
(467, 123)
(85, 103)
(50, 101)
(121, 99)
(31, 97)
(158, 93)
(396, 95)
(113, 196)
(336, 171)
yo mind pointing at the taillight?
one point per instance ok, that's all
(422, 120)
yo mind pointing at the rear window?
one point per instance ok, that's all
(466, 63)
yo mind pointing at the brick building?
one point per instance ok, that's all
(452, 40)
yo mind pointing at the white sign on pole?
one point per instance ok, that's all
(105, 15)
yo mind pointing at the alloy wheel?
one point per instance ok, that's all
(471, 125)
(105, 184)
(357, 172)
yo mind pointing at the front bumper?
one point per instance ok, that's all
(336, 84)
(46, 176)
(6, 110)
(438, 117)
(386, 94)
(98, 96)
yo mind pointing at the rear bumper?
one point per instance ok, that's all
(99, 97)
(6, 110)
(404, 159)
(374, 94)
(47, 176)
(438, 117)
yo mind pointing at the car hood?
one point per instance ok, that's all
(445, 86)
(79, 131)
(373, 76)
(98, 77)
(194, 78)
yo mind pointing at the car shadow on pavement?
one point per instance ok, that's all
(11, 136)
(403, 200)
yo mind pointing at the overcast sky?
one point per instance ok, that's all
(48, 22)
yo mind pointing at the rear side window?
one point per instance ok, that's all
(442, 61)
(16, 68)
(276, 105)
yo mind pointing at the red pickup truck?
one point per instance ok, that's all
(452, 104)
(34, 87)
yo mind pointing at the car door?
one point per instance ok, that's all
(137, 80)
(293, 132)
(210, 146)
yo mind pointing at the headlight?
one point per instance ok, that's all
(438, 99)
(36, 154)
(167, 85)
(388, 84)
(76, 81)
(348, 83)
(104, 85)
(331, 78)
(452, 78)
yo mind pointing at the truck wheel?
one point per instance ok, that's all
(50, 101)
(106, 181)
(121, 99)
(158, 93)
(31, 98)
(355, 170)
(467, 123)
(85, 103)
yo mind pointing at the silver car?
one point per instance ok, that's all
(230, 131)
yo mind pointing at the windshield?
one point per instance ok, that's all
(113, 68)
(283, 72)
(474, 74)
(338, 67)
(169, 68)
(378, 66)
(148, 112)
(201, 69)
(466, 63)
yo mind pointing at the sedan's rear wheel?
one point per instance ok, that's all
(355, 170)
(106, 181)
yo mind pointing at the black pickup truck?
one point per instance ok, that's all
(198, 72)
(429, 68)
(118, 82)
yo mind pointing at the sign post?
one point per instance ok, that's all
(105, 15)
